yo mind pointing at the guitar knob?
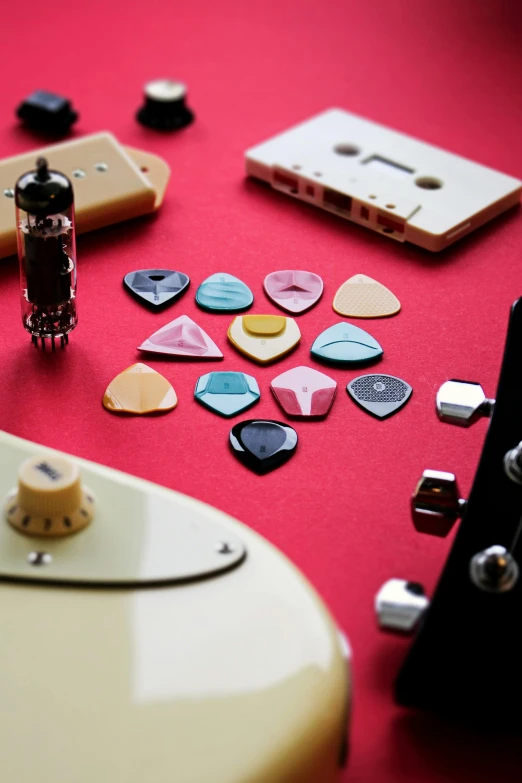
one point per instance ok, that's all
(399, 605)
(462, 403)
(49, 500)
(436, 503)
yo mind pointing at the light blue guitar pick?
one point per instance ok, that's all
(227, 393)
(222, 293)
(346, 344)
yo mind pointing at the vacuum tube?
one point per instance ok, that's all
(47, 254)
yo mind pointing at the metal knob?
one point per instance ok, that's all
(494, 570)
(399, 605)
(462, 403)
(436, 503)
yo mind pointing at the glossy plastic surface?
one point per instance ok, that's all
(223, 293)
(264, 338)
(139, 389)
(262, 444)
(294, 290)
(227, 393)
(344, 343)
(160, 684)
(184, 338)
(157, 287)
(304, 392)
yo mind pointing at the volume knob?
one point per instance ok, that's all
(50, 500)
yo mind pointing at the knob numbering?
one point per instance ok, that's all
(49, 500)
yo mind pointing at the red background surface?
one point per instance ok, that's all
(446, 72)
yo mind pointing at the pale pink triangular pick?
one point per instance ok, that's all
(182, 337)
(293, 290)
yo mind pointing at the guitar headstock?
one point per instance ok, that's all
(467, 637)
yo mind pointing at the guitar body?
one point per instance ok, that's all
(235, 677)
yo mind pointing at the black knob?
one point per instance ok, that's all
(164, 107)
(47, 113)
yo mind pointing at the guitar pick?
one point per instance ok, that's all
(182, 337)
(264, 338)
(303, 391)
(294, 290)
(227, 393)
(222, 293)
(139, 389)
(346, 344)
(380, 395)
(262, 444)
(157, 287)
(363, 297)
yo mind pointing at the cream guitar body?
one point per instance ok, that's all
(163, 642)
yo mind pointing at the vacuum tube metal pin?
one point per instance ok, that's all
(47, 254)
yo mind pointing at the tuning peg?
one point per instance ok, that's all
(462, 403)
(436, 503)
(399, 605)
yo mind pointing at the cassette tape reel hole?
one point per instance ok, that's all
(429, 183)
(347, 149)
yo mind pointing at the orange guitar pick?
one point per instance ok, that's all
(139, 389)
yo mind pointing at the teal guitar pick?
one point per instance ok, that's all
(227, 393)
(222, 293)
(346, 344)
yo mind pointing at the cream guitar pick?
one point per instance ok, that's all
(363, 297)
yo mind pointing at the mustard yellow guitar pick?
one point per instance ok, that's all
(363, 297)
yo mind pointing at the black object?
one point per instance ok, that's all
(165, 107)
(156, 287)
(47, 112)
(46, 250)
(43, 192)
(465, 659)
(262, 444)
(380, 395)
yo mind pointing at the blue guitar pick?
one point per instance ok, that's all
(227, 393)
(346, 344)
(222, 293)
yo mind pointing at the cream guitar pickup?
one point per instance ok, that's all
(111, 182)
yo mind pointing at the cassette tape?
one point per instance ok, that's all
(384, 180)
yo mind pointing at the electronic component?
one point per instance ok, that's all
(227, 393)
(293, 290)
(50, 500)
(46, 253)
(182, 337)
(344, 343)
(380, 395)
(139, 389)
(394, 184)
(263, 445)
(264, 338)
(111, 182)
(165, 107)
(363, 297)
(304, 392)
(222, 293)
(47, 112)
(156, 287)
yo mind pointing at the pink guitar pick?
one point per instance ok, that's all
(294, 290)
(303, 391)
(182, 337)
